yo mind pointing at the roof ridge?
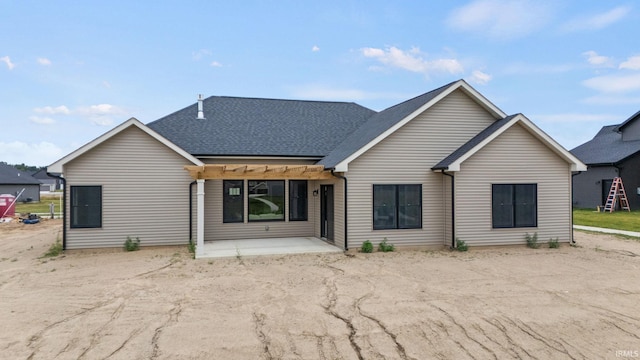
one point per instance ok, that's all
(441, 88)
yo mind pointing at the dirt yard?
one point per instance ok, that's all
(570, 303)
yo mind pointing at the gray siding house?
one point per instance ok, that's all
(613, 152)
(442, 166)
(14, 181)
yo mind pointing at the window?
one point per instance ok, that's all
(514, 205)
(86, 206)
(266, 200)
(233, 206)
(397, 207)
(297, 200)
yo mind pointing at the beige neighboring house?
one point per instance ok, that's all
(442, 166)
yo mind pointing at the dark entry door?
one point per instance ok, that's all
(326, 212)
(606, 186)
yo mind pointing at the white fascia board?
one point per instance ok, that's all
(576, 164)
(57, 167)
(473, 93)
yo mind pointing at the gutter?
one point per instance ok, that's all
(453, 209)
(346, 227)
(64, 209)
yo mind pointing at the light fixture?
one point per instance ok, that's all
(315, 193)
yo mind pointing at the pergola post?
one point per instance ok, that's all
(200, 217)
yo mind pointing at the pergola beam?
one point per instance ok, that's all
(258, 171)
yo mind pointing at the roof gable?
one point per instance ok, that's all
(58, 165)
(629, 121)
(386, 122)
(454, 161)
(236, 126)
(606, 148)
(13, 176)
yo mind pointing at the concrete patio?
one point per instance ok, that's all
(258, 247)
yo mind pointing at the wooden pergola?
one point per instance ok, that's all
(258, 172)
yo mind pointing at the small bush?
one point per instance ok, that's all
(386, 247)
(532, 240)
(367, 247)
(132, 244)
(55, 249)
(192, 246)
(461, 245)
(554, 243)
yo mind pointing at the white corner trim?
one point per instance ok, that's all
(473, 93)
(57, 167)
(576, 164)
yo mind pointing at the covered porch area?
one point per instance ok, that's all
(272, 246)
(263, 209)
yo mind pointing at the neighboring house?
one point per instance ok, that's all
(442, 166)
(13, 181)
(613, 152)
(47, 182)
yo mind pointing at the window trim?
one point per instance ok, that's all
(515, 207)
(397, 207)
(73, 208)
(224, 197)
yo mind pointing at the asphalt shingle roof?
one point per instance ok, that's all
(376, 125)
(466, 147)
(12, 176)
(606, 147)
(262, 127)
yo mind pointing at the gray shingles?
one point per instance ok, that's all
(607, 147)
(262, 127)
(9, 175)
(488, 131)
(376, 125)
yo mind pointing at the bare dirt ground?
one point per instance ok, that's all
(569, 303)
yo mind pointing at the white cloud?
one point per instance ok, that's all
(597, 60)
(36, 154)
(44, 61)
(413, 60)
(632, 63)
(7, 60)
(598, 21)
(614, 83)
(315, 48)
(198, 55)
(53, 110)
(479, 77)
(100, 114)
(523, 68)
(500, 19)
(41, 120)
(215, 64)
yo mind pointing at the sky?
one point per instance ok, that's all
(72, 70)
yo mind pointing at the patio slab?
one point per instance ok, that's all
(259, 247)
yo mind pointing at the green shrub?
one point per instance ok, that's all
(532, 240)
(192, 246)
(367, 247)
(461, 245)
(554, 243)
(386, 247)
(132, 244)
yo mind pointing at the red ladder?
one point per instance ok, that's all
(617, 192)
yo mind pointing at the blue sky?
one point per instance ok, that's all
(72, 70)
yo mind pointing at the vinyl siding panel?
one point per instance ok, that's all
(514, 157)
(406, 157)
(587, 186)
(144, 192)
(215, 229)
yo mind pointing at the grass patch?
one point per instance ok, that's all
(367, 247)
(192, 248)
(621, 220)
(132, 244)
(554, 243)
(41, 206)
(55, 249)
(532, 240)
(386, 247)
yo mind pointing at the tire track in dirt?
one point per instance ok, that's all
(464, 331)
(95, 336)
(174, 315)
(550, 343)
(514, 345)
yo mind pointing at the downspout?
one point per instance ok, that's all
(573, 241)
(346, 243)
(191, 210)
(453, 209)
(64, 209)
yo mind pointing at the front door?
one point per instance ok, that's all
(606, 187)
(326, 212)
